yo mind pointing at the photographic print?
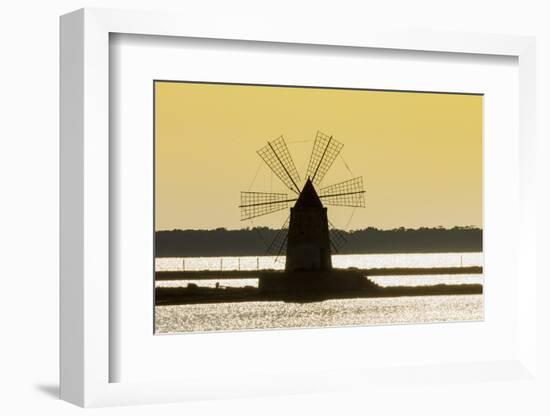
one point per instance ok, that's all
(304, 207)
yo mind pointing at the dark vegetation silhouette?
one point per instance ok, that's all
(253, 241)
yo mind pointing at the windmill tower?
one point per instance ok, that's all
(307, 235)
(308, 241)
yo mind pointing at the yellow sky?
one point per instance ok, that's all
(420, 154)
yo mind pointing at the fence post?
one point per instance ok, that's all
(257, 263)
(221, 263)
(183, 264)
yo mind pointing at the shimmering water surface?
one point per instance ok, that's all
(335, 312)
(361, 261)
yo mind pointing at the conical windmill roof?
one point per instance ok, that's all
(308, 197)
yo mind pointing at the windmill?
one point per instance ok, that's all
(307, 235)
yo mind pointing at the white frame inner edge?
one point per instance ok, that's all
(84, 314)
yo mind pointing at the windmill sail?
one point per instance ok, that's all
(278, 245)
(256, 204)
(276, 155)
(325, 150)
(337, 238)
(349, 193)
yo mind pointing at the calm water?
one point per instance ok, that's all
(337, 312)
(361, 261)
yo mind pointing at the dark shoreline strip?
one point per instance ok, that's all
(251, 274)
(181, 295)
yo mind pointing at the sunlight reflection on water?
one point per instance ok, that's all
(361, 261)
(335, 312)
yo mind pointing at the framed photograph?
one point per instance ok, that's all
(284, 211)
(303, 248)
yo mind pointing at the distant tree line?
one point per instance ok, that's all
(254, 241)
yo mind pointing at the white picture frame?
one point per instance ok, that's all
(85, 209)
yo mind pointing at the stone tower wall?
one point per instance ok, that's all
(308, 245)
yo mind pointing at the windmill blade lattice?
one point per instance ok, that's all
(349, 193)
(325, 150)
(337, 238)
(278, 245)
(276, 155)
(256, 204)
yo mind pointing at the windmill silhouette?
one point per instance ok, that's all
(307, 235)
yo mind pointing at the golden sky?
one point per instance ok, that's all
(420, 154)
